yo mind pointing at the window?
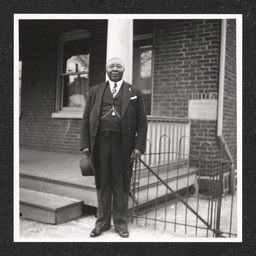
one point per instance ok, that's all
(73, 74)
(142, 69)
(143, 59)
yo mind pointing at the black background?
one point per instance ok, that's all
(8, 8)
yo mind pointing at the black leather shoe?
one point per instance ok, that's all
(96, 232)
(123, 233)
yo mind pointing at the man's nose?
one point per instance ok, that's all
(115, 68)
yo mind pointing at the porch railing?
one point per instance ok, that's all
(163, 136)
(171, 199)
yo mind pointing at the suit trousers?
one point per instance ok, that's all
(111, 182)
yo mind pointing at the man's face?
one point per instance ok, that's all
(115, 70)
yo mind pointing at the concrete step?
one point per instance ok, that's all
(165, 174)
(163, 168)
(84, 189)
(150, 188)
(48, 208)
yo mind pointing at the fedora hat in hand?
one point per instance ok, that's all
(86, 166)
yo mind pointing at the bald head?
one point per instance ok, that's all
(115, 69)
(115, 61)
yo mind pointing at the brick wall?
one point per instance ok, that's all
(229, 109)
(39, 43)
(186, 61)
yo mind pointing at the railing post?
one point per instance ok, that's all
(232, 179)
(218, 234)
(133, 191)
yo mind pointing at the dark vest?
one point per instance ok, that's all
(111, 109)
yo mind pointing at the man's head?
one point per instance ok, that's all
(115, 69)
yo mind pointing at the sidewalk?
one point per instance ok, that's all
(78, 230)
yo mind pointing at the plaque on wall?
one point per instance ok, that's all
(201, 108)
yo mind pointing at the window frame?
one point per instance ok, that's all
(60, 110)
(141, 38)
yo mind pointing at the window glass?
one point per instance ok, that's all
(75, 72)
(142, 69)
(146, 68)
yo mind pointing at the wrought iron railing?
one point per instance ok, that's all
(180, 197)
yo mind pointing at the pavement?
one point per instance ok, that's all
(78, 230)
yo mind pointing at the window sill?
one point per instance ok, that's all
(68, 114)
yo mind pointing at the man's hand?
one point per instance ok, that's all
(136, 154)
(86, 151)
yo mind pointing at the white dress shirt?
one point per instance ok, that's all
(119, 84)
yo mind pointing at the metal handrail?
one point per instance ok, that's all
(230, 158)
(168, 119)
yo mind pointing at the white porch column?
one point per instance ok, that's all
(120, 43)
(222, 76)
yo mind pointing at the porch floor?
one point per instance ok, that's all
(54, 165)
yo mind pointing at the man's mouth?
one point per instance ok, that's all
(115, 75)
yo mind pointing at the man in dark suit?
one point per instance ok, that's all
(114, 130)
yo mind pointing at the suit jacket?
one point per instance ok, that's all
(133, 124)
